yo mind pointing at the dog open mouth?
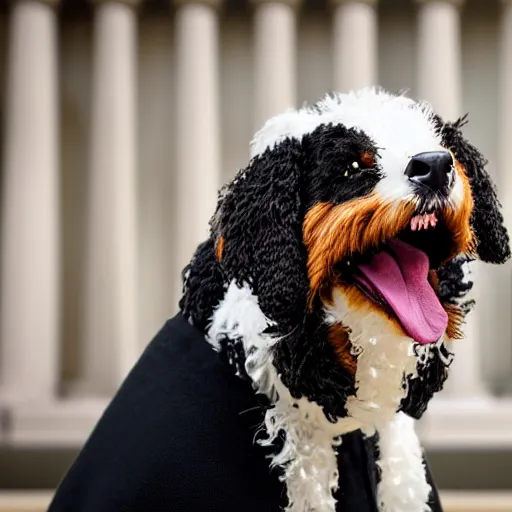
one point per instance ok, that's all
(396, 277)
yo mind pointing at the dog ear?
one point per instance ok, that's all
(487, 219)
(258, 230)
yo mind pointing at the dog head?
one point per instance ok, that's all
(365, 198)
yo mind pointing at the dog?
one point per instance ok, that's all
(333, 285)
(345, 204)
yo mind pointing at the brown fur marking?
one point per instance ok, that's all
(339, 339)
(335, 232)
(219, 249)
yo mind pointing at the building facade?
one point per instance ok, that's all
(122, 118)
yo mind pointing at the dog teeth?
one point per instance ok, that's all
(419, 222)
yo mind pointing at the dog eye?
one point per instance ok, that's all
(366, 161)
(353, 169)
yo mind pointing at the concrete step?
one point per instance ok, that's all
(37, 501)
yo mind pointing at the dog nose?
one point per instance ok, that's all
(431, 169)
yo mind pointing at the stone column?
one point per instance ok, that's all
(197, 164)
(439, 56)
(110, 330)
(29, 292)
(275, 48)
(355, 44)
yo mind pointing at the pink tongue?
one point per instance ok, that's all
(400, 275)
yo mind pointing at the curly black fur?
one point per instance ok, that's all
(330, 152)
(452, 284)
(261, 222)
(203, 286)
(430, 380)
(232, 353)
(309, 367)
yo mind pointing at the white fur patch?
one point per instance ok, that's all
(308, 454)
(403, 486)
(384, 358)
(399, 126)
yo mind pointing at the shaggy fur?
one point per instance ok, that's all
(272, 290)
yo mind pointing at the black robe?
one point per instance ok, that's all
(179, 437)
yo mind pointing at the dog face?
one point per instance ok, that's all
(385, 218)
(365, 198)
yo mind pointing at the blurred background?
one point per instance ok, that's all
(122, 118)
